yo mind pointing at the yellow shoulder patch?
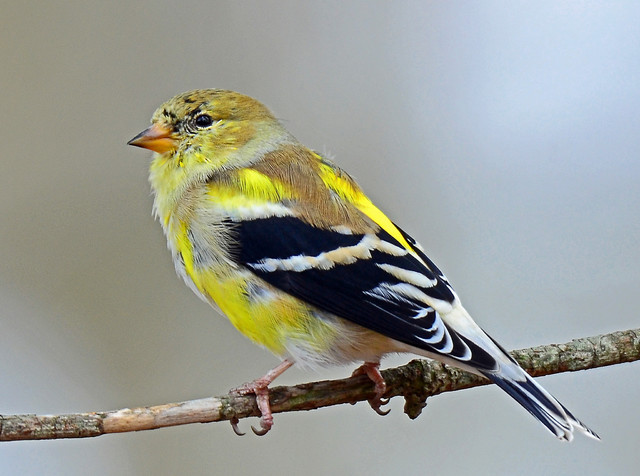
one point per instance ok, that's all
(259, 186)
(348, 190)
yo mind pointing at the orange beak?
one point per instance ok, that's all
(156, 138)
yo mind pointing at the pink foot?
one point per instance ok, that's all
(260, 387)
(372, 370)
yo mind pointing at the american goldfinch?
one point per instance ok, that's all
(291, 250)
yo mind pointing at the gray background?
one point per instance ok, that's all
(502, 135)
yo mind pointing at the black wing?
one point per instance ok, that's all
(371, 280)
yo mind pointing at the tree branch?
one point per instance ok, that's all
(415, 381)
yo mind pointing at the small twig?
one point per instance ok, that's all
(415, 381)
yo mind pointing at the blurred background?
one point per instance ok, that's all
(503, 135)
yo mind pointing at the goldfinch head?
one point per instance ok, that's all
(203, 119)
(200, 132)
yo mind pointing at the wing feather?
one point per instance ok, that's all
(369, 279)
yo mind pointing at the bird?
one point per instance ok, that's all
(291, 250)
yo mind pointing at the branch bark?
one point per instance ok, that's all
(415, 381)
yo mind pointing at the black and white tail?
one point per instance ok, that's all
(488, 358)
(540, 403)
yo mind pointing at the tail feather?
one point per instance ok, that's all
(486, 357)
(542, 405)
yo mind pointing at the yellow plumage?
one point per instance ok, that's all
(300, 260)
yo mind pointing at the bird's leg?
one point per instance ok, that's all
(260, 387)
(372, 370)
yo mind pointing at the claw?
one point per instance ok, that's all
(372, 370)
(375, 405)
(260, 387)
(260, 432)
(378, 402)
(234, 424)
(266, 421)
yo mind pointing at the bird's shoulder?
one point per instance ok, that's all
(291, 180)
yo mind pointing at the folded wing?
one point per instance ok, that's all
(368, 279)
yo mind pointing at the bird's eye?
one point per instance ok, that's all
(203, 121)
